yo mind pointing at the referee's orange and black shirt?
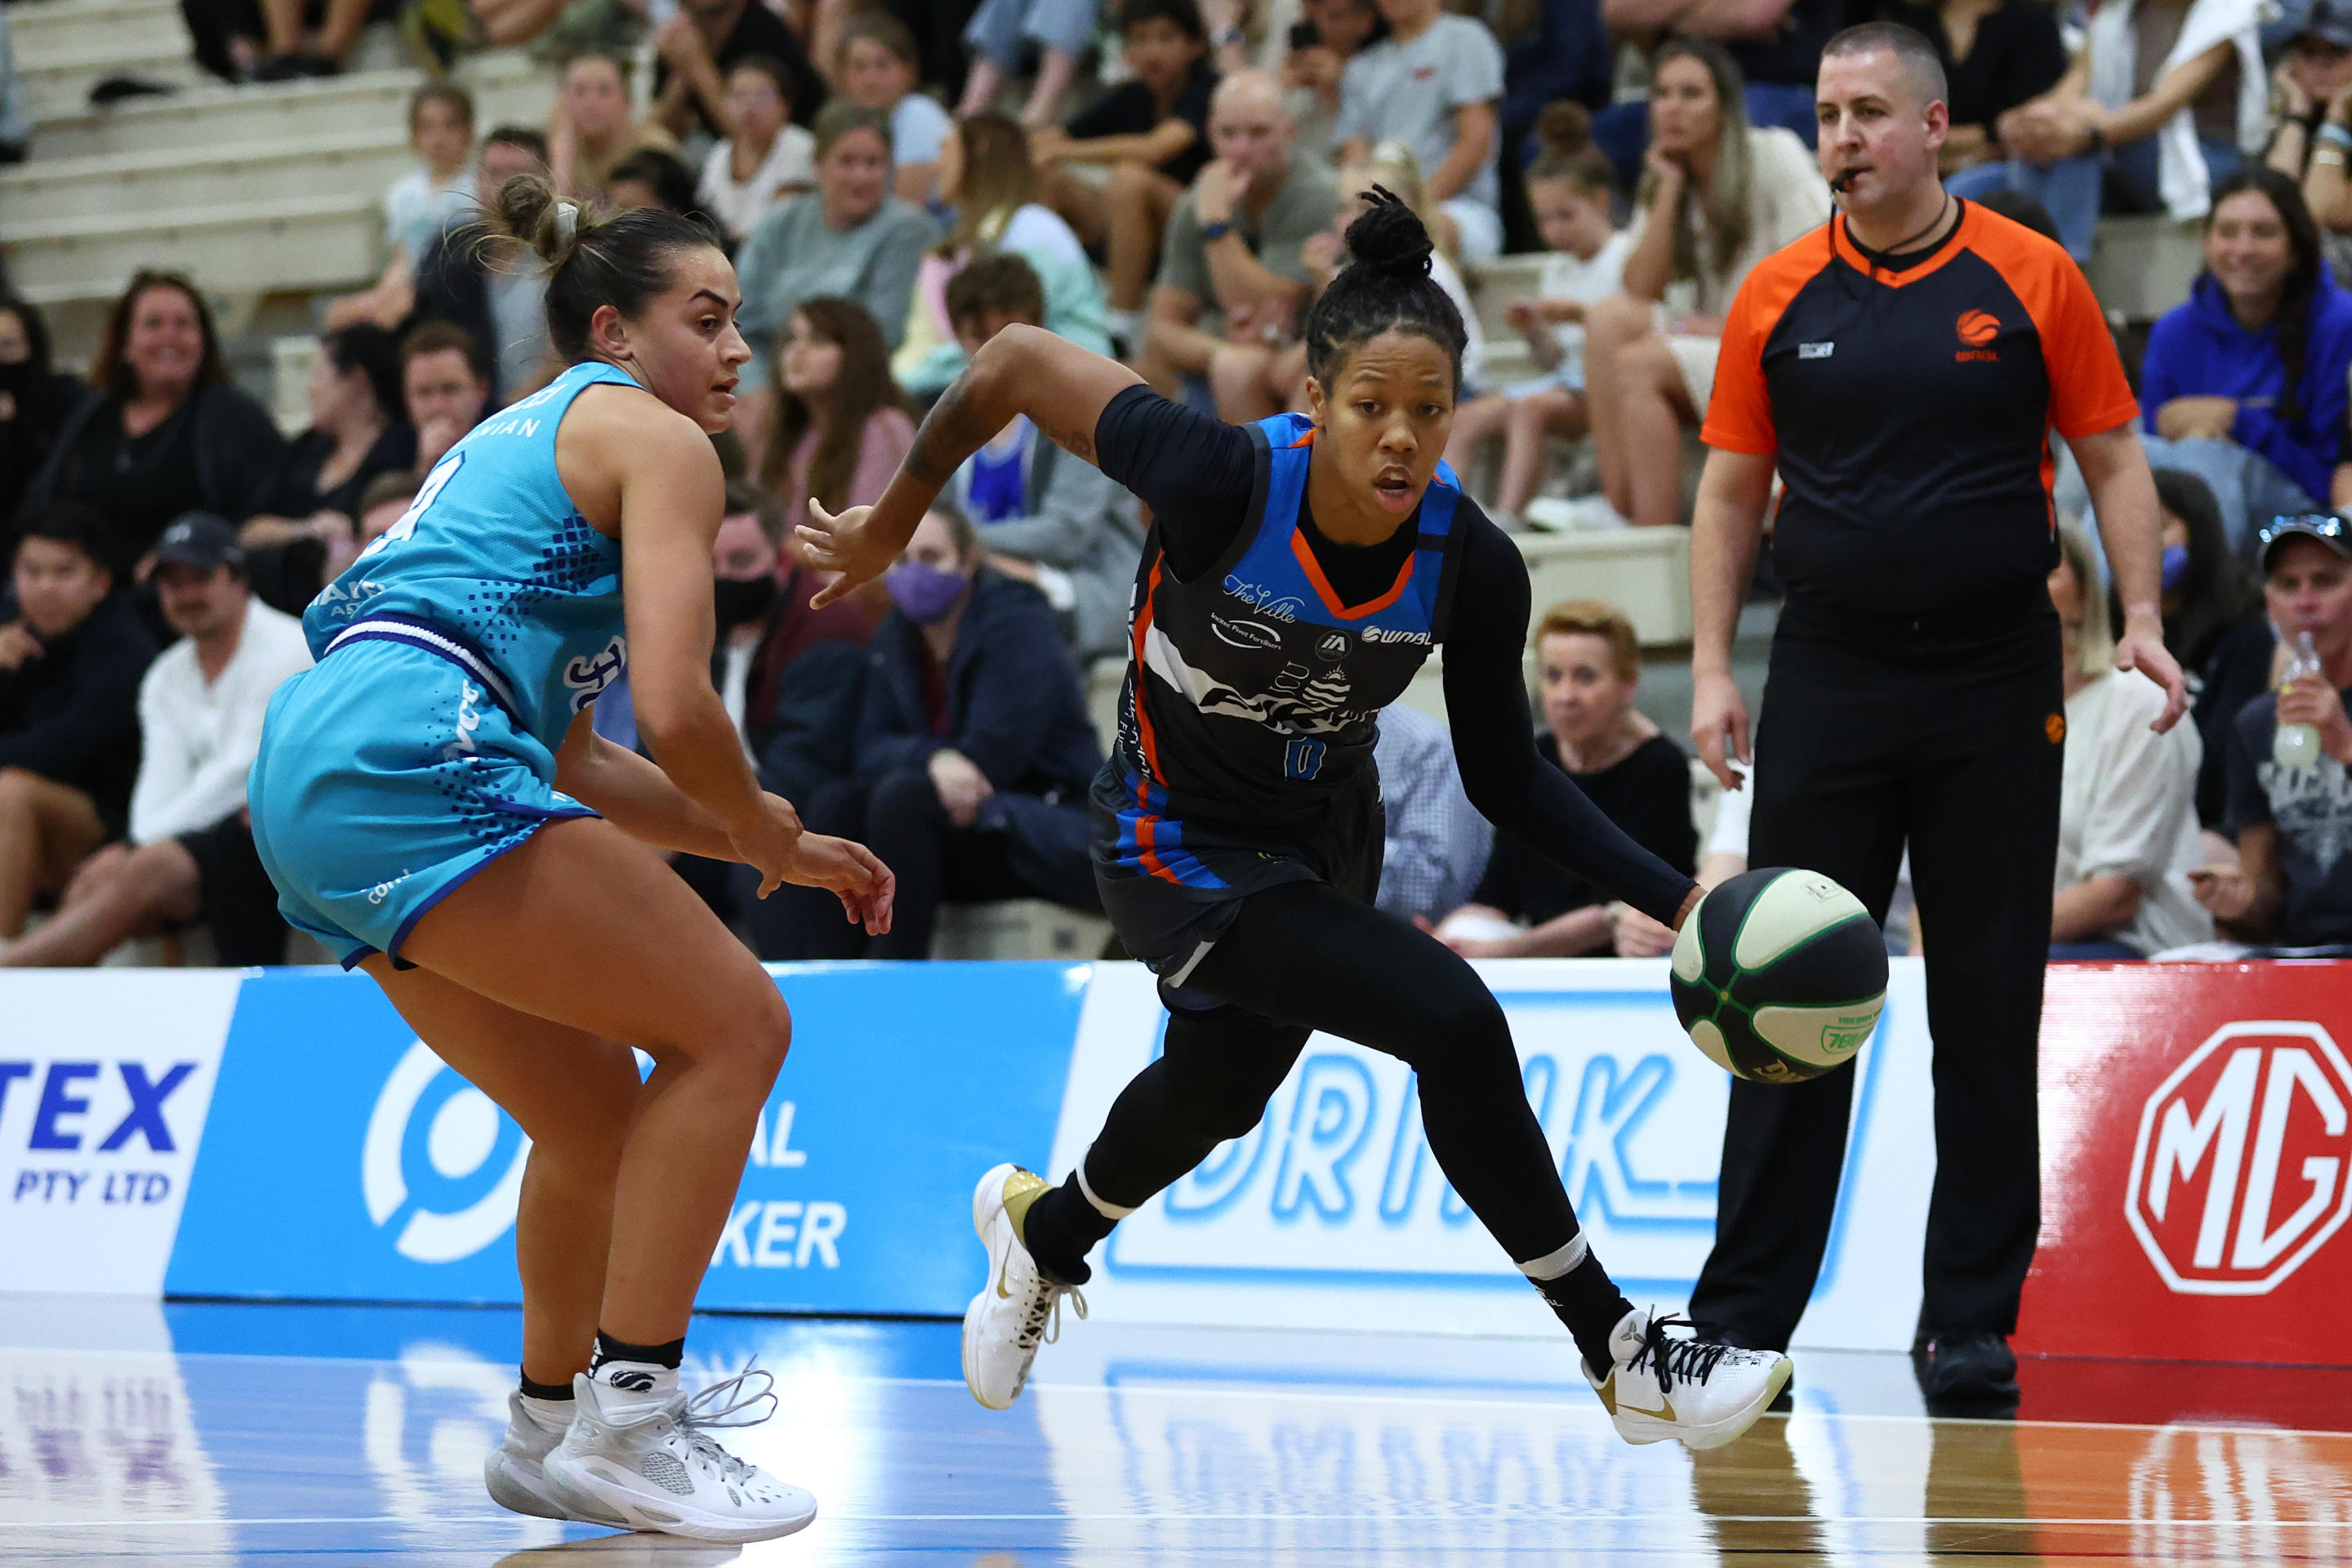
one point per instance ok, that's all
(1910, 413)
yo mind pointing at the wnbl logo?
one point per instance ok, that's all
(2238, 1173)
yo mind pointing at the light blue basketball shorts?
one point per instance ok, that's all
(387, 777)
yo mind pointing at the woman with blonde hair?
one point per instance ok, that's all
(1253, 380)
(985, 172)
(1716, 197)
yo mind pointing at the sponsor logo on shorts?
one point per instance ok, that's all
(469, 719)
(2054, 727)
(1244, 634)
(383, 890)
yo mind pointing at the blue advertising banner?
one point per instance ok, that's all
(344, 1161)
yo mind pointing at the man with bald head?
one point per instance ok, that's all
(1231, 268)
(1902, 368)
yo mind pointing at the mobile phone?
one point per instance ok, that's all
(1303, 35)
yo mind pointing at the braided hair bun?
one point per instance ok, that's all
(1386, 286)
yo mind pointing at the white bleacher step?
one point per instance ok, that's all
(1500, 281)
(1017, 928)
(2142, 267)
(507, 86)
(311, 242)
(1644, 571)
(41, 32)
(62, 84)
(226, 176)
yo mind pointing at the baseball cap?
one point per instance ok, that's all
(2330, 22)
(200, 540)
(2326, 527)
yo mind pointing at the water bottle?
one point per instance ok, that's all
(2297, 745)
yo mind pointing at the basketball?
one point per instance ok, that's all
(1778, 975)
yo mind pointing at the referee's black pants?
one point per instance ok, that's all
(1953, 741)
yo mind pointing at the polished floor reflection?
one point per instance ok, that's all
(207, 1434)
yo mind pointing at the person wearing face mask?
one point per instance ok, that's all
(972, 755)
(2243, 384)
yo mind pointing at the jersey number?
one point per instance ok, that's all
(1302, 759)
(426, 494)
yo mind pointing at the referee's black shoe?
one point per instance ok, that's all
(1972, 1374)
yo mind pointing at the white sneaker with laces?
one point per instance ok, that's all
(1696, 1391)
(513, 1471)
(660, 1469)
(1018, 1309)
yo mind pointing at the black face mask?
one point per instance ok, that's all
(14, 378)
(742, 599)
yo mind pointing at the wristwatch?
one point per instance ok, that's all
(1213, 232)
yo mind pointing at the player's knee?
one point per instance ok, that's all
(1460, 1022)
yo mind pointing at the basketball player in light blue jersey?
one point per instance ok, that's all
(431, 804)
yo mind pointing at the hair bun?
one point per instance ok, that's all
(1565, 127)
(1389, 240)
(526, 208)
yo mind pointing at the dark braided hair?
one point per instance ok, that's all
(593, 256)
(1386, 286)
(2292, 323)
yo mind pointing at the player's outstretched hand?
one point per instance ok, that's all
(767, 843)
(856, 874)
(2142, 648)
(846, 544)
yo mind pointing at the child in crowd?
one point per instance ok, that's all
(985, 172)
(1154, 134)
(765, 156)
(877, 66)
(1434, 83)
(421, 203)
(1570, 189)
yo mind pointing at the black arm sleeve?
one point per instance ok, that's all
(1194, 472)
(1494, 737)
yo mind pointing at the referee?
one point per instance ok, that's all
(1903, 368)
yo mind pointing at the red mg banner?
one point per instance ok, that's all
(2196, 1146)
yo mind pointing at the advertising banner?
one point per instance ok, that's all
(348, 1162)
(104, 1079)
(1332, 1214)
(2196, 1144)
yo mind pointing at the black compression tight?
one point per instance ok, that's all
(1298, 958)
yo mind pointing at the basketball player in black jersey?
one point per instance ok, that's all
(1297, 574)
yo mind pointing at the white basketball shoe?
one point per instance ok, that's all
(514, 1470)
(1699, 1393)
(1018, 1309)
(656, 1467)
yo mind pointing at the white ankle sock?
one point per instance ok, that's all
(630, 1386)
(553, 1415)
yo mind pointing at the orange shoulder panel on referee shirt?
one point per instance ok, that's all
(2088, 392)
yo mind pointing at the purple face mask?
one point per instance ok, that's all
(924, 592)
(2176, 566)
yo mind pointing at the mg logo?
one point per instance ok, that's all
(442, 1167)
(2239, 1173)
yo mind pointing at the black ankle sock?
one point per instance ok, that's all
(1589, 1303)
(610, 1349)
(544, 1390)
(1061, 1228)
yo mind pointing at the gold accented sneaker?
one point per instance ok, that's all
(1018, 1309)
(1696, 1391)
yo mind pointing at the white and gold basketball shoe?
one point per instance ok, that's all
(1018, 1309)
(1701, 1394)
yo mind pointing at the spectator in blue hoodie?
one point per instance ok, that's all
(2244, 384)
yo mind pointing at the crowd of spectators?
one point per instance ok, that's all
(1168, 180)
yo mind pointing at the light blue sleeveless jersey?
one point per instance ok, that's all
(493, 568)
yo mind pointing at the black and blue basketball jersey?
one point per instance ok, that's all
(1251, 694)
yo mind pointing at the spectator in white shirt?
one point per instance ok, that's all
(1434, 83)
(1437, 843)
(421, 204)
(189, 856)
(2128, 835)
(765, 157)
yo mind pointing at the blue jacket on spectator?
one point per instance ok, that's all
(1015, 706)
(2199, 350)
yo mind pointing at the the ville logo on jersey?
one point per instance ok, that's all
(2238, 1175)
(1976, 329)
